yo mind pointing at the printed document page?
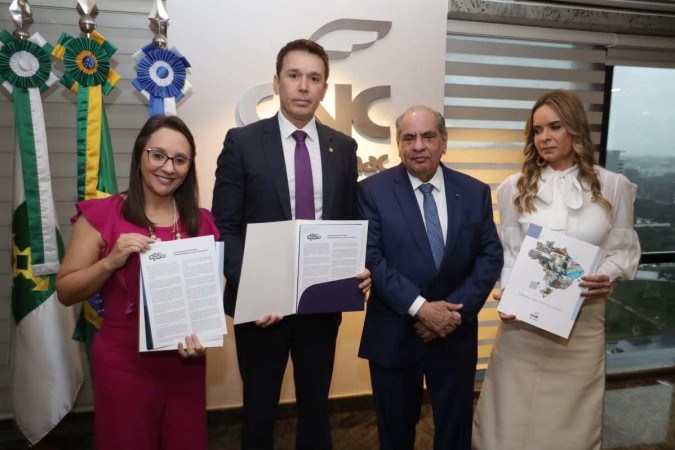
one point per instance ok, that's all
(301, 266)
(329, 251)
(181, 293)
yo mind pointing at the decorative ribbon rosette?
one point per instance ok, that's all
(25, 63)
(25, 71)
(88, 74)
(161, 78)
(87, 62)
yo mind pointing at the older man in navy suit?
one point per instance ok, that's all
(286, 167)
(434, 255)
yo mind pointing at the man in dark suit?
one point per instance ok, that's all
(269, 171)
(434, 255)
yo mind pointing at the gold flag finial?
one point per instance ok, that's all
(22, 17)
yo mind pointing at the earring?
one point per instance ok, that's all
(541, 162)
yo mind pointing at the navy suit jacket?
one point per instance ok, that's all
(402, 266)
(252, 187)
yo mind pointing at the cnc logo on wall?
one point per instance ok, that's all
(350, 109)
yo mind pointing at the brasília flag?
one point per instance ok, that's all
(46, 366)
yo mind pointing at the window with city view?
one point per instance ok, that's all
(641, 145)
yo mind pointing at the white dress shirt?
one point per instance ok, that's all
(312, 142)
(438, 193)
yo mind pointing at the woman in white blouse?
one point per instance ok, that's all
(541, 391)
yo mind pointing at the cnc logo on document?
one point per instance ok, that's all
(534, 316)
(313, 236)
(156, 256)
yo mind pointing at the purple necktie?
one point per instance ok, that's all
(304, 187)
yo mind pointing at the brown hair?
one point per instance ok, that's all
(187, 194)
(570, 110)
(303, 45)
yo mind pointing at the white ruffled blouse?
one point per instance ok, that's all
(564, 204)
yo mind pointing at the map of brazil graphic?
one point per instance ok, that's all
(560, 269)
(542, 288)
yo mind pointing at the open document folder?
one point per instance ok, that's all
(543, 288)
(181, 292)
(301, 266)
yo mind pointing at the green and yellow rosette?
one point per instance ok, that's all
(89, 75)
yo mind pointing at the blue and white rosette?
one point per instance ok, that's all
(161, 76)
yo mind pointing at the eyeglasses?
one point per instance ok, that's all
(158, 158)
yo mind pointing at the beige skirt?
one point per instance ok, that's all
(544, 392)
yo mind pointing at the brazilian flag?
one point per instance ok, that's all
(88, 74)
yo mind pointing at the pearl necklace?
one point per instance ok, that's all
(175, 232)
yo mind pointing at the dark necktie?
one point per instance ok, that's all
(434, 230)
(304, 187)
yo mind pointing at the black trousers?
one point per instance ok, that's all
(263, 355)
(398, 399)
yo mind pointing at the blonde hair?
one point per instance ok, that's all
(570, 110)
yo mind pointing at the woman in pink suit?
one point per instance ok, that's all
(142, 400)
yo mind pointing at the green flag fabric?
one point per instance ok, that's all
(88, 75)
(47, 367)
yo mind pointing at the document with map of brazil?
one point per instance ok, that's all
(543, 289)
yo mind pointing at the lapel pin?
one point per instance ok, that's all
(457, 194)
(330, 149)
